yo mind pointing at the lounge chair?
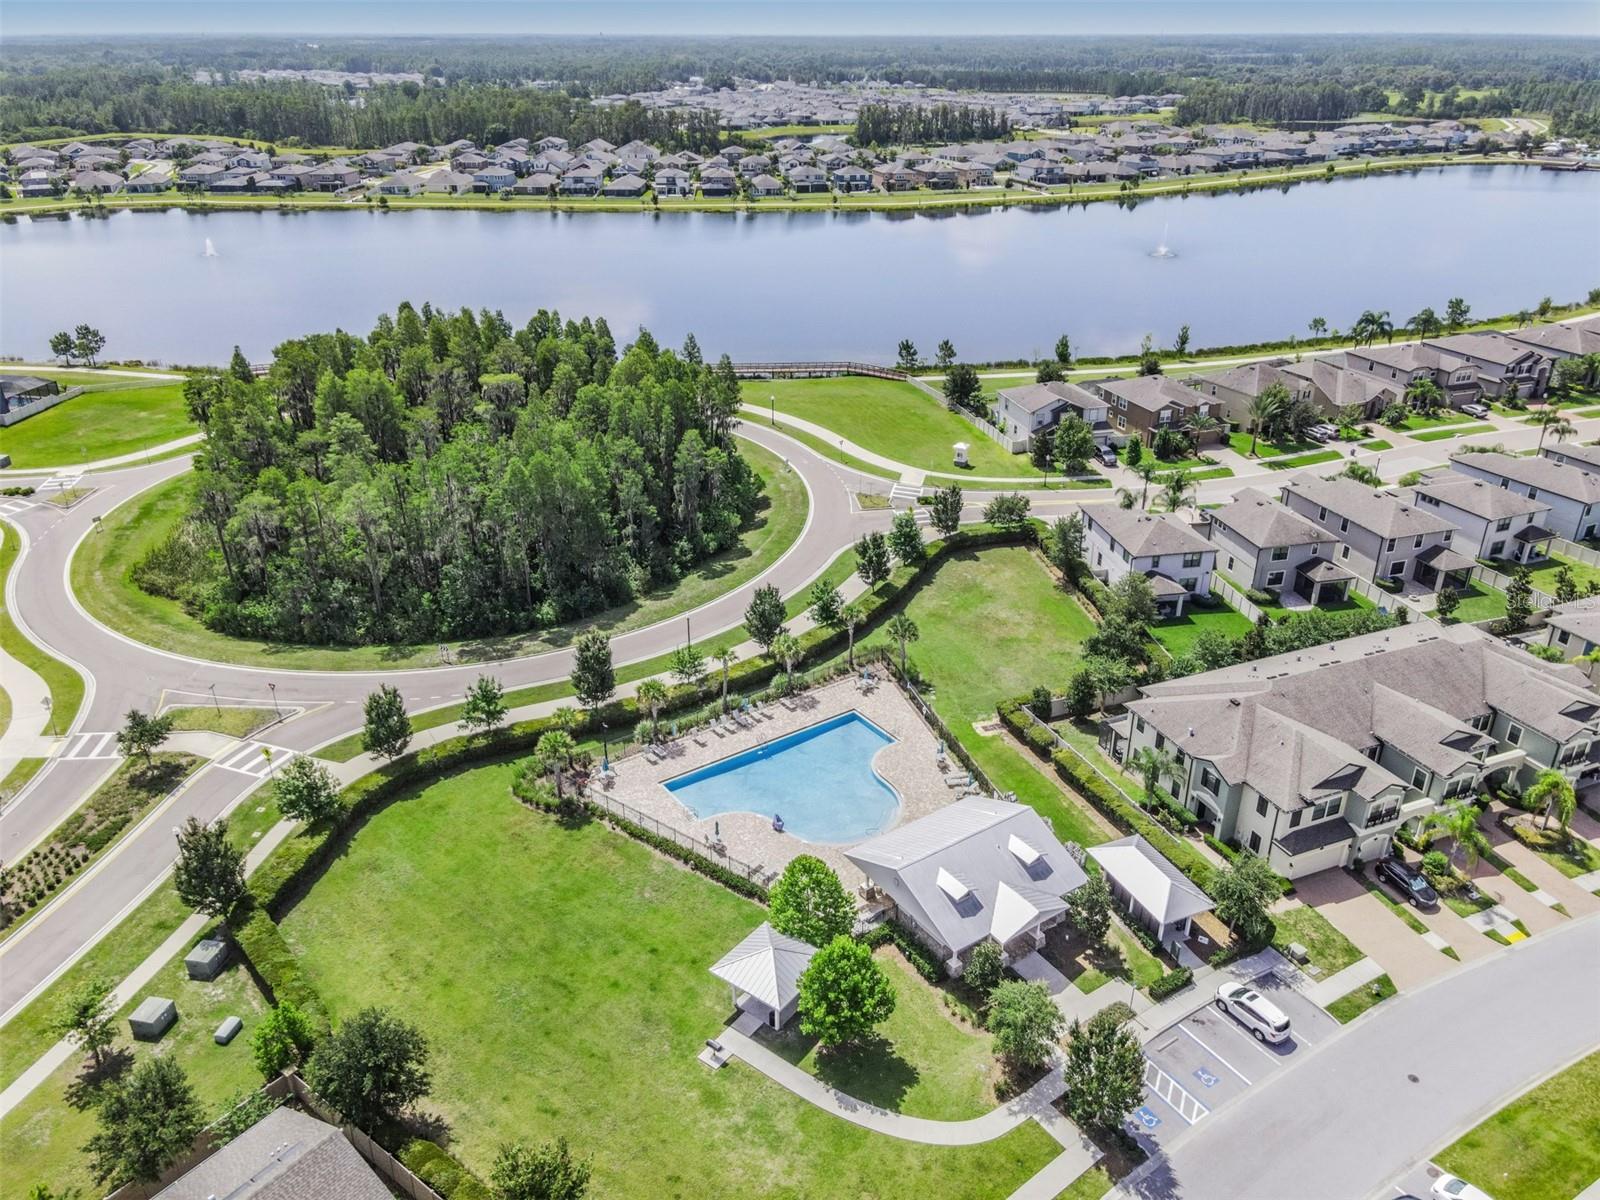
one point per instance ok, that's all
(963, 781)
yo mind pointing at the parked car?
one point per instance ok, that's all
(1408, 881)
(1107, 455)
(1475, 410)
(1323, 433)
(1453, 1187)
(1255, 1012)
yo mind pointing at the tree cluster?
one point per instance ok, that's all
(906, 124)
(449, 476)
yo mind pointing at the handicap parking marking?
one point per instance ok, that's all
(1173, 1094)
(1206, 1078)
(1213, 1053)
(1146, 1116)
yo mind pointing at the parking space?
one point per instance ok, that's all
(1377, 932)
(1208, 1059)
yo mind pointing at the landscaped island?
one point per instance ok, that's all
(451, 477)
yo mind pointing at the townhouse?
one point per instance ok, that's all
(1314, 759)
(1160, 546)
(1264, 546)
(1574, 627)
(1381, 536)
(1493, 522)
(1573, 494)
(1143, 406)
(1021, 412)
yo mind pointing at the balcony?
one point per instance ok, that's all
(1506, 758)
(1387, 815)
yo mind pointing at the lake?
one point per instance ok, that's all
(1000, 283)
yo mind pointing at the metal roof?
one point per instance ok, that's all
(766, 965)
(1155, 885)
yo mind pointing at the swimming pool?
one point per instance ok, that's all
(819, 779)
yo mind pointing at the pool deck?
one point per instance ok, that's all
(909, 764)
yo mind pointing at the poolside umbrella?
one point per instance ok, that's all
(674, 729)
(716, 830)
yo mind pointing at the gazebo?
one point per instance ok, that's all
(763, 974)
(1158, 895)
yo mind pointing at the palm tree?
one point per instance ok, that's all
(1148, 470)
(1550, 418)
(851, 616)
(1127, 497)
(903, 630)
(1318, 326)
(1425, 324)
(1153, 766)
(1201, 424)
(1177, 489)
(787, 648)
(1424, 394)
(1385, 326)
(1266, 409)
(554, 753)
(652, 693)
(726, 657)
(1524, 319)
(1460, 823)
(1370, 326)
(1552, 791)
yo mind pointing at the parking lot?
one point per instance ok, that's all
(1207, 1059)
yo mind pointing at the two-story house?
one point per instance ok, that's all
(1264, 546)
(1504, 366)
(1572, 494)
(1493, 522)
(1314, 759)
(1021, 412)
(1404, 365)
(1383, 537)
(1574, 627)
(1573, 454)
(1144, 405)
(1160, 546)
(1236, 388)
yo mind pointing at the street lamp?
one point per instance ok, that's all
(50, 712)
(273, 688)
(772, 410)
(214, 703)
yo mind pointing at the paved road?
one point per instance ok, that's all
(1390, 1089)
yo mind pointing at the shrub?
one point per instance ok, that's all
(1259, 597)
(1170, 984)
(436, 1168)
(1026, 1024)
(1039, 740)
(1436, 862)
(918, 955)
(698, 863)
(1041, 702)
(985, 966)
(277, 970)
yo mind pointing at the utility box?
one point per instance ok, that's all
(960, 451)
(207, 959)
(227, 1031)
(152, 1018)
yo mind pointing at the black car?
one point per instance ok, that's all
(1408, 881)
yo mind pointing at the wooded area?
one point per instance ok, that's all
(450, 476)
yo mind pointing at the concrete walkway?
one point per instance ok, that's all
(1341, 983)
(27, 734)
(104, 464)
(48, 1063)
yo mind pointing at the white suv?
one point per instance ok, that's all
(1254, 1011)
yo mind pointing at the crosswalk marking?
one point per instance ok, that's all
(61, 483)
(255, 759)
(91, 746)
(13, 505)
(904, 493)
(1174, 1093)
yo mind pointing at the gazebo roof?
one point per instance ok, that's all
(766, 965)
(1150, 879)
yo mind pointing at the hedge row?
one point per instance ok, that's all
(698, 863)
(435, 1167)
(1171, 983)
(918, 955)
(274, 964)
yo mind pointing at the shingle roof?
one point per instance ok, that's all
(1381, 512)
(1492, 347)
(287, 1155)
(1583, 457)
(1580, 617)
(1543, 473)
(1035, 397)
(1479, 498)
(1263, 522)
(1143, 534)
(1152, 392)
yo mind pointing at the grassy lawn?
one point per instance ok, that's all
(1545, 1145)
(1543, 578)
(1303, 460)
(17, 778)
(1351, 1005)
(65, 684)
(1447, 416)
(235, 722)
(1329, 949)
(1178, 634)
(532, 992)
(1439, 435)
(1566, 852)
(101, 578)
(895, 419)
(1376, 444)
(99, 424)
(1353, 600)
(925, 1063)
(1240, 443)
(1479, 602)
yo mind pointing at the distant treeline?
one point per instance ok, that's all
(1276, 103)
(901, 124)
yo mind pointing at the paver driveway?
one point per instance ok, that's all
(1377, 932)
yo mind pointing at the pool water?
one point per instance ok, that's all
(819, 779)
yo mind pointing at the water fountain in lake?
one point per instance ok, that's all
(1163, 250)
(211, 251)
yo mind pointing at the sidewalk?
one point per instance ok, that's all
(63, 1051)
(102, 464)
(27, 735)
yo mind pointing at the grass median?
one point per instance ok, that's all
(64, 682)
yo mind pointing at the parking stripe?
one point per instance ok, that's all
(1247, 1036)
(1162, 1087)
(1214, 1054)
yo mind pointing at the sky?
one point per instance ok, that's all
(20, 18)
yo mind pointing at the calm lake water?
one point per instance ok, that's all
(999, 283)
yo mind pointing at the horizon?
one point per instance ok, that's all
(67, 19)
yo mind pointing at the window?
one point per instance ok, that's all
(1390, 546)
(1188, 585)
(1533, 493)
(1503, 524)
(1155, 563)
(1230, 562)
(1416, 543)
(1279, 553)
(1294, 818)
(1322, 514)
(1514, 735)
(1497, 550)
(1344, 524)
(1274, 579)
(1138, 723)
(1563, 636)
(1419, 779)
(1261, 806)
(1191, 560)
(1344, 551)
(1255, 843)
(1210, 780)
(1397, 569)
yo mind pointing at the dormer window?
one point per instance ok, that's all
(952, 887)
(1022, 851)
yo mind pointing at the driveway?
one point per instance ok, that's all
(1377, 932)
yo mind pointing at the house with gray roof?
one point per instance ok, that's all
(1146, 404)
(1022, 411)
(625, 186)
(765, 185)
(1493, 522)
(449, 183)
(286, 1155)
(1335, 389)
(1381, 536)
(1504, 366)
(401, 183)
(1573, 454)
(1404, 365)
(1573, 493)
(1313, 759)
(1160, 546)
(973, 871)
(1265, 546)
(1564, 339)
(1574, 627)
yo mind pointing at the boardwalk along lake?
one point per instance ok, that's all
(1001, 283)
